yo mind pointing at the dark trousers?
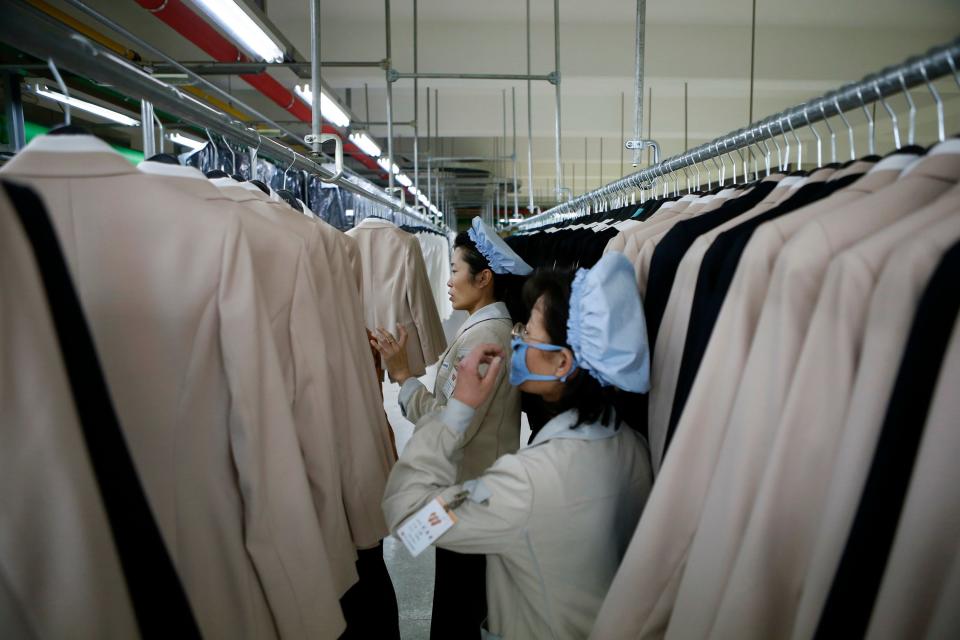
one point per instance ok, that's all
(370, 606)
(459, 596)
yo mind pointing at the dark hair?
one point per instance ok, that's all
(506, 286)
(582, 391)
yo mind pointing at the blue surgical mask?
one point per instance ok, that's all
(519, 373)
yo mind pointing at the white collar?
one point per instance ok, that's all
(898, 162)
(561, 427)
(304, 210)
(788, 181)
(69, 143)
(249, 186)
(376, 222)
(225, 182)
(494, 311)
(174, 170)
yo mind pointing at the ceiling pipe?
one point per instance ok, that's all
(191, 26)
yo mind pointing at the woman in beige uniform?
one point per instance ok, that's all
(484, 271)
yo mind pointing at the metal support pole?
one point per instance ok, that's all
(516, 201)
(638, 76)
(436, 136)
(386, 9)
(503, 144)
(416, 110)
(429, 153)
(160, 133)
(529, 123)
(16, 135)
(366, 100)
(146, 128)
(556, 57)
(316, 118)
(622, 141)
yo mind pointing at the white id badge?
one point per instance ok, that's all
(426, 526)
(450, 384)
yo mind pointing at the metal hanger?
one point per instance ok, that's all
(766, 154)
(696, 169)
(776, 143)
(63, 89)
(816, 134)
(843, 116)
(799, 145)
(786, 142)
(833, 135)
(941, 136)
(285, 171)
(743, 162)
(895, 124)
(721, 167)
(233, 155)
(912, 118)
(871, 128)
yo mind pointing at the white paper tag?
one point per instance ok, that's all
(450, 384)
(425, 526)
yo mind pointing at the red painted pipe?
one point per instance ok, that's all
(198, 31)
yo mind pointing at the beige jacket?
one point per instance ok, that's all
(61, 576)
(179, 323)
(397, 291)
(760, 596)
(553, 519)
(642, 596)
(892, 307)
(495, 429)
(363, 440)
(289, 293)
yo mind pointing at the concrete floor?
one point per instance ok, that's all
(413, 577)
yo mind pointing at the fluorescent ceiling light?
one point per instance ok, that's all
(329, 109)
(384, 163)
(404, 180)
(186, 141)
(433, 208)
(244, 30)
(89, 107)
(424, 199)
(366, 144)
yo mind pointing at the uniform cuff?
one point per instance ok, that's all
(407, 389)
(457, 416)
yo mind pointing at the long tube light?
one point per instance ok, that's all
(89, 107)
(366, 144)
(403, 179)
(330, 109)
(186, 141)
(244, 30)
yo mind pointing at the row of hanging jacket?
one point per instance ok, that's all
(398, 290)
(435, 247)
(803, 410)
(230, 332)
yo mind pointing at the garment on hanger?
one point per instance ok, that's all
(178, 321)
(857, 581)
(81, 555)
(397, 290)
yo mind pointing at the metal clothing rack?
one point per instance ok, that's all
(36, 34)
(938, 62)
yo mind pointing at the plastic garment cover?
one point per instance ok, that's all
(233, 159)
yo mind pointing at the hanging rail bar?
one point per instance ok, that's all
(936, 63)
(34, 33)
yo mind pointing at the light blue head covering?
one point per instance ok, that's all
(606, 326)
(498, 253)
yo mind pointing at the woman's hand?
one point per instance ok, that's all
(473, 388)
(393, 352)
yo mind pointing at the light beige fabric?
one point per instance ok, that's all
(60, 576)
(495, 428)
(892, 307)
(646, 585)
(928, 533)
(179, 323)
(553, 519)
(397, 290)
(356, 263)
(364, 448)
(797, 278)
(676, 317)
(289, 294)
(764, 589)
(945, 616)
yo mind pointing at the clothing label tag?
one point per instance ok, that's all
(450, 384)
(426, 526)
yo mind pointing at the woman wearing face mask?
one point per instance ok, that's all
(555, 518)
(482, 270)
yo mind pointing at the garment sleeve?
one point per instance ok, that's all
(281, 531)
(416, 401)
(498, 503)
(422, 305)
